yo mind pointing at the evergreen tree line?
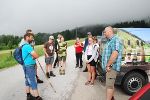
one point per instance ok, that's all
(10, 41)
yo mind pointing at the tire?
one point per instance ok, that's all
(133, 82)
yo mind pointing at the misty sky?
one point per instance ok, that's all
(57, 15)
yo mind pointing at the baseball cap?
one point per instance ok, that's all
(51, 37)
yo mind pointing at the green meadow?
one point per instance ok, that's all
(7, 60)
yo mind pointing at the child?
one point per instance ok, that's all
(62, 53)
(78, 49)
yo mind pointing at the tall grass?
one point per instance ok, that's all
(39, 50)
(6, 60)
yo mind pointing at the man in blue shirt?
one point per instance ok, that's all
(29, 56)
(111, 60)
(32, 44)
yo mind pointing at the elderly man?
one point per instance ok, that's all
(111, 60)
(32, 43)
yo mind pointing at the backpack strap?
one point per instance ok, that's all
(21, 52)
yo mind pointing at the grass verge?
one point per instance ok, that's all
(7, 60)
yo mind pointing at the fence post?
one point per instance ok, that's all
(11, 53)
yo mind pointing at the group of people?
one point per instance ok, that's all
(29, 57)
(91, 53)
(60, 47)
(111, 59)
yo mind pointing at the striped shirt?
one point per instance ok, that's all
(112, 44)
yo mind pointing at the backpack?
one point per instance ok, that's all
(18, 55)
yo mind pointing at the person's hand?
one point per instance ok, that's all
(87, 61)
(108, 69)
(47, 55)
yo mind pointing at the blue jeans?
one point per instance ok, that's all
(30, 76)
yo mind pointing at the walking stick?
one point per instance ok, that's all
(46, 76)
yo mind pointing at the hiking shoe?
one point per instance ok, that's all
(47, 74)
(38, 98)
(39, 81)
(30, 97)
(60, 72)
(113, 98)
(87, 83)
(52, 74)
(85, 70)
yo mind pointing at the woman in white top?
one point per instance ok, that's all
(91, 59)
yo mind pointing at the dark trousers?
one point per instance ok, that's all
(56, 60)
(79, 58)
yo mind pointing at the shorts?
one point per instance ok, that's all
(92, 63)
(111, 78)
(62, 58)
(49, 60)
(30, 76)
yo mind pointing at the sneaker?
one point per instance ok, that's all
(63, 72)
(87, 83)
(47, 74)
(30, 97)
(39, 81)
(77, 66)
(52, 74)
(81, 66)
(92, 83)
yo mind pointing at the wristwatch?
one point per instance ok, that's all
(109, 66)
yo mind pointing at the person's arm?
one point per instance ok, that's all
(85, 44)
(75, 45)
(34, 55)
(45, 52)
(115, 51)
(93, 54)
(85, 55)
(44, 49)
(32, 52)
(112, 59)
(81, 44)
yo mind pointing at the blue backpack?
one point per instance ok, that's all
(18, 55)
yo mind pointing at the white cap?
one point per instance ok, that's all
(51, 37)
